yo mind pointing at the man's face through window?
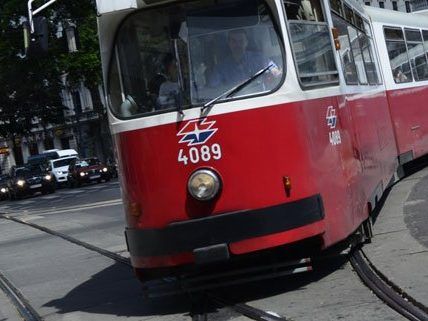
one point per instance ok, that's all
(237, 43)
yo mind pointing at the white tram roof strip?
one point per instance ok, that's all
(396, 18)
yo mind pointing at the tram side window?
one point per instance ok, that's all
(417, 56)
(115, 94)
(398, 56)
(311, 43)
(374, 66)
(369, 63)
(349, 68)
(425, 35)
(354, 36)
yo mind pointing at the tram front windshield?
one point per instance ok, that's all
(186, 54)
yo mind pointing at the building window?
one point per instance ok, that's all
(394, 5)
(381, 4)
(367, 3)
(408, 6)
(77, 103)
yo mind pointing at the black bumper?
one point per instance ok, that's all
(190, 235)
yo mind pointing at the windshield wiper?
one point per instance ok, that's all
(237, 88)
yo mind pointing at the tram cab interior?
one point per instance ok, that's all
(197, 37)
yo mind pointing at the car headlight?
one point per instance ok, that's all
(105, 169)
(204, 184)
(3, 190)
(20, 182)
(47, 177)
(82, 174)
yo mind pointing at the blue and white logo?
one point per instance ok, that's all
(331, 117)
(197, 132)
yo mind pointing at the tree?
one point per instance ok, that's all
(30, 88)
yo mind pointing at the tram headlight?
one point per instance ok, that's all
(204, 184)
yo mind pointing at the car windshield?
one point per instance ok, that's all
(62, 162)
(28, 171)
(92, 161)
(82, 164)
(186, 54)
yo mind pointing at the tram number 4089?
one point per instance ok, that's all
(197, 154)
(335, 138)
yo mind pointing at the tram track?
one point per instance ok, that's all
(387, 291)
(24, 308)
(29, 314)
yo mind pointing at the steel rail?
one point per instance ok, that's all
(388, 292)
(70, 239)
(24, 308)
(241, 308)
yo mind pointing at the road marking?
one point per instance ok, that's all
(56, 210)
(49, 197)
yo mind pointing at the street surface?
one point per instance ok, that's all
(64, 281)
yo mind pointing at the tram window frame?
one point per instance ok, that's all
(425, 40)
(333, 6)
(349, 15)
(395, 39)
(349, 74)
(114, 63)
(414, 37)
(369, 33)
(322, 23)
(363, 30)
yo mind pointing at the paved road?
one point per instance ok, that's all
(66, 282)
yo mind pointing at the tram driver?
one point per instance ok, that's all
(241, 63)
(169, 88)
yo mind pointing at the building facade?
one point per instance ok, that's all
(85, 129)
(419, 5)
(397, 5)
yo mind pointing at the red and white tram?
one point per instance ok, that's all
(247, 125)
(403, 38)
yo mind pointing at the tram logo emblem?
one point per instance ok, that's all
(197, 132)
(331, 117)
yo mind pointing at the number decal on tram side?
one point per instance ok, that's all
(197, 154)
(335, 138)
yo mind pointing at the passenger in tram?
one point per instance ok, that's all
(399, 76)
(241, 63)
(169, 89)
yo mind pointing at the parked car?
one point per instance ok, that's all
(59, 168)
(51, 154)
(29, 180)
(86, 171)
(4, 189)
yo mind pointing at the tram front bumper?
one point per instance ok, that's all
(213, 234)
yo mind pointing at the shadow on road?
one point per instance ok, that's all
(115, 291)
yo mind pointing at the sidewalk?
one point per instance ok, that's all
(399, 248)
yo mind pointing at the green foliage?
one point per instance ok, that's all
(31, 87)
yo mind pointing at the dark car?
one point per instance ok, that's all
(87, 170)
(29, 180)
(41, 159)
(4, 189)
